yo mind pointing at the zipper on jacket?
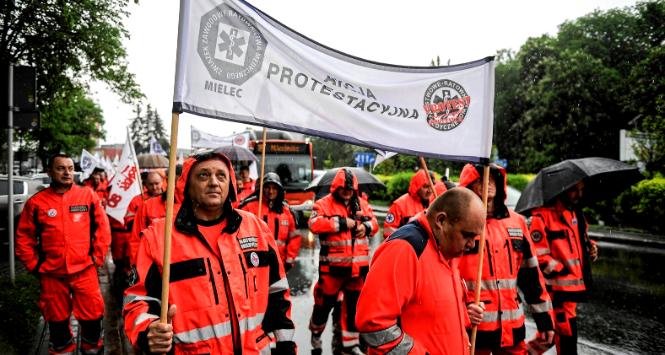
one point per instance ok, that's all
(255, 288)
(570, 243)
(276, 228)
(489, 257)
(212, 280)
(244, 275)
(235, 327)
(510, 257)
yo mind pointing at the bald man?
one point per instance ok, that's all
(414, 299)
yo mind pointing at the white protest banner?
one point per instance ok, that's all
(155, 147)
(124, 185)
(201, 139)
(88, 163)
(382, 155)
(236, 63)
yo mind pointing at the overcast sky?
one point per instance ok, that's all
(394, 32)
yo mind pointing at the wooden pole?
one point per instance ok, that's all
(263, 167)
(481, 256)
(170, 193)
(429, 177)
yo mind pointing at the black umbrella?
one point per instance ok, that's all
(366, 181)
(604, 178)
(237, 153)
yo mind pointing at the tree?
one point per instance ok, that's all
(69, 43)
(146, 126)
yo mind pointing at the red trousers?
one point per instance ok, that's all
(80, 293)
(518, 349)
(326, 292)
(120, 245)
(565, 331)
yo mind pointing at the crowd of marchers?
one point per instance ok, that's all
(233, 243)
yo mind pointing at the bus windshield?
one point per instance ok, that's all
(295, 170)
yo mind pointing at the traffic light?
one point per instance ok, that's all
(24, 97)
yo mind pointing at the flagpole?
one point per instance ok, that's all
(481, 256)
(263, 166)
(429, 177)
(168, 226)
(136, 163)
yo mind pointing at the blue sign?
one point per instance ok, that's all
(364, 158)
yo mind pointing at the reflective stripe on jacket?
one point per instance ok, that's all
(413, 300)
(61, 233)
(561, 249)
(282, 227)
(225, 303)
(328, 220)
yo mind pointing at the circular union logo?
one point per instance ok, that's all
(446, 104)
(196, 136)
(254, 258)
(390, 218)
(536, 236)
(239, 139)
(229, 45)
(52, 212)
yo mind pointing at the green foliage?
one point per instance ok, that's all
(519, 181)
(69, 43)
(564, 96)
(19, 313)
(146, 126)
(398, 185)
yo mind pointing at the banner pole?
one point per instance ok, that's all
(263, 167)
(429, 177)
(168, 225)
(481, 256)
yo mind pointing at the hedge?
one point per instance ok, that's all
(519, 181)
(19, 312)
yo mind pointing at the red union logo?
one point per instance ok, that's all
(239, 140)
(446, 104)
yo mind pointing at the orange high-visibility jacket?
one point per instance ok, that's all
(413, 300)
(405, 206)
(228, 296)
(341, 252)
(282, 226)
(562, 246)
(62, 233)
(152, 210)
(509, 262)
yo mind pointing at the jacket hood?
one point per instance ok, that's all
(344, 179)
(472, 173)
(417, 182)
(278, 203)
(181, 184)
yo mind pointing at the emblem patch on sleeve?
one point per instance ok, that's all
(390, 218)
(536, 236)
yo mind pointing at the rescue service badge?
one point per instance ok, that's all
(229, 45)
(390, 218)
(537, 236)
(446, 103)
(52, 212)
(254, 259)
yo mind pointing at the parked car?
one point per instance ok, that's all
(24, 187)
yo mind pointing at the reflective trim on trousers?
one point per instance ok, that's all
(143, 316)
(557, 282)
(381, 337)
(284, 334)
(510, 314)
(404, 346)
(542, 251)
(339, 243)
(500, 284)
(541, 307)
(344, 259)
(530, 262)
(551, 266)
(219, 330)
(350, 339)
(132, 297)
(281, 285)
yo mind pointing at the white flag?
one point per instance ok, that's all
(201, 139)
(88, 163)
(155, 147)
(382, 156)
(124, 185)
(236, 63)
